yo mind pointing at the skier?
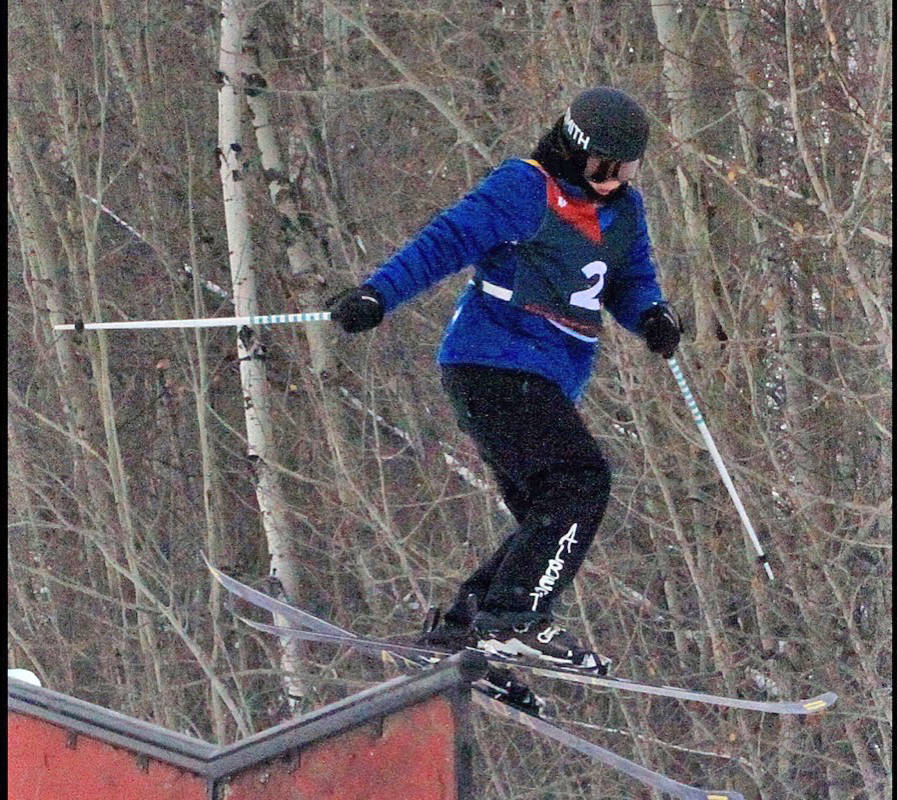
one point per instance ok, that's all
(553, 239)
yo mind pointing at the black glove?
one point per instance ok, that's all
(357, 309)
(661, 328)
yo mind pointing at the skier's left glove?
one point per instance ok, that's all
(661, 328)
(357, 309)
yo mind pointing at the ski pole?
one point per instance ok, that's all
(203, 322)
(721, 468)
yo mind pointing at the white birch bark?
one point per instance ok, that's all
(259, 435)
(302, 265)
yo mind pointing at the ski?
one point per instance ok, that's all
(424, 656)
(498, 683)
(812, 705)
(264, 601)
(296, 616)
(322, 628)
(642, 774)
(483, 697)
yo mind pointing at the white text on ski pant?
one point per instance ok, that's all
(555, 566)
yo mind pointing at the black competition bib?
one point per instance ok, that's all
(567, 263)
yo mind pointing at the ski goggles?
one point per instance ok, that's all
(610, 170)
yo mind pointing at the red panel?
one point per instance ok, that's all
(579, 212)
(412, 759)
(43, 764)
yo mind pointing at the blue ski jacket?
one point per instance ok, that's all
(520, 229)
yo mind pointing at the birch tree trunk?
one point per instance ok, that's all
(675, 37)
(303, 267)
(302, 263)
(679, 86)
(734, 20)
(259, 435)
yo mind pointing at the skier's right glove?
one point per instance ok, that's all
(661, 328)
(358, 309)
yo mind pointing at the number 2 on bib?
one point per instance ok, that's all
(588, 298)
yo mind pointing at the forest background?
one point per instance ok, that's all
(335, 462)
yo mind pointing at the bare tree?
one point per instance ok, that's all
(250, 348)
(335, 461)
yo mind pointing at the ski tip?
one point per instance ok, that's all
(216, 573)
(820, 703)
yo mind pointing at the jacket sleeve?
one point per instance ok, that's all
(635, 289)
(507, 206)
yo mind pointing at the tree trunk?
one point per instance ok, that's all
(79, 408)
(304, 270)
(259, 435)
(679, 86)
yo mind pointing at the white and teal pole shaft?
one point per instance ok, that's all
(721, 468)
(205, 322)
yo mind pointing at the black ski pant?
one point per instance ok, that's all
(551, 474)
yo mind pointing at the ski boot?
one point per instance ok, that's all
(516, 634)
(441, 634)
(499, 682)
